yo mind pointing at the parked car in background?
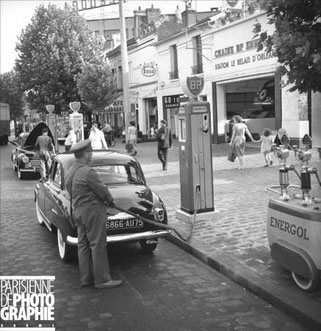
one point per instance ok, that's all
(24, 157)
(125, 179)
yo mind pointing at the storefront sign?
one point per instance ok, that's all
(116, 107)
(237, 50)
(171, 101)
(149, 71)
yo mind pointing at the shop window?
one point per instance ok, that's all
(244, 104)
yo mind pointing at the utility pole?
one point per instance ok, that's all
(124, 64)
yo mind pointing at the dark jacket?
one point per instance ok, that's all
(164, 137)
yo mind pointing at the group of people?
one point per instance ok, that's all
(238, 140)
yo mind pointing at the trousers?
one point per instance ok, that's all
(162, 155)
(92, 246)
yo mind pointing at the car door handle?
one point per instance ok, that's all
(54, 211)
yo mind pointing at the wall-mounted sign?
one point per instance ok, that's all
(148, 70)
(171, 101)
(115, 107)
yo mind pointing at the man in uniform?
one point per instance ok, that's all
(90, 197)
(45, 145)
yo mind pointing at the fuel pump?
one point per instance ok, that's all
(303, 155)
(294, 222)
(282, 153)
(195, 160)
(76, 120)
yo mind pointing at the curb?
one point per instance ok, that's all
(297, 305)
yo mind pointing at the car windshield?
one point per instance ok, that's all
(119, 174)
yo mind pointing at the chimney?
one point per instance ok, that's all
(188, 17)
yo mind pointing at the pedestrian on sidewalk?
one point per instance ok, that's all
(90, 197)
(266, 146)
(71, 138)
(238, 140)
(164, 138)
(131, 139)
(44, 145)
(97, 138)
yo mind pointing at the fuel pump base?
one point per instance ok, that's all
(203, 216)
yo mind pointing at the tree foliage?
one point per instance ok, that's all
(96, 86)
(52, 50)
(11, 94)
(296, 40)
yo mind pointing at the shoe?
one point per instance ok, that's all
(271, 162)
(86, 285)
(266, 165)
(110, 284)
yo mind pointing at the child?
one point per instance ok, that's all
(266, 144)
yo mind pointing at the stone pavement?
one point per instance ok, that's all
(235, 240)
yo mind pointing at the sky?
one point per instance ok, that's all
(15, 15)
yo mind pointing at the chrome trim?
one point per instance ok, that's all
(127, 237)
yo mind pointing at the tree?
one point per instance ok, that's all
(51, 53)
(12, 94)
(296, 40)
(96, 86)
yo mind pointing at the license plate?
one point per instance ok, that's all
(133, 223)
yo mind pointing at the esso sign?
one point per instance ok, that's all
(193, 85)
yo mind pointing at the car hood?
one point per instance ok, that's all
(137, 199)
(35, 133)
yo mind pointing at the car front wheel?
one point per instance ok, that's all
(304, 283)
(66, 252)
(148, 246)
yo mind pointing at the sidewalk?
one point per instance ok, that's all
(235, 241)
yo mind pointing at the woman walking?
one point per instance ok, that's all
(237, 144)
(132, 138)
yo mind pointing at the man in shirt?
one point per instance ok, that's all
(90, 197)
(164, 138)
(71, 138)
(97, 138)
(44, 145)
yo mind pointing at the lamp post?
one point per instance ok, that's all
(124, 62)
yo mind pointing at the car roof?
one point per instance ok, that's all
(100, 157)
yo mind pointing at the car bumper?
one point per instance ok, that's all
(127, 237)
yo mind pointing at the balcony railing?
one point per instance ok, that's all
(198, 69)
(173, 74)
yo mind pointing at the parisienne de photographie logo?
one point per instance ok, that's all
(27, 303)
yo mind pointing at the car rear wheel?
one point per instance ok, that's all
(66, 252)
(304, 283)
(21, 175)
(148, 246)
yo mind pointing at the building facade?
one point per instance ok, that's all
(238, 79)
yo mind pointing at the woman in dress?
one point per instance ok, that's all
(238, 139)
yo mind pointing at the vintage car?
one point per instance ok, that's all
(24, 157)
(124, 177)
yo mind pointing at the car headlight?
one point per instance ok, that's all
(159, 214)
(25, 159)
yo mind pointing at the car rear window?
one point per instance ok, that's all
(119, 174)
